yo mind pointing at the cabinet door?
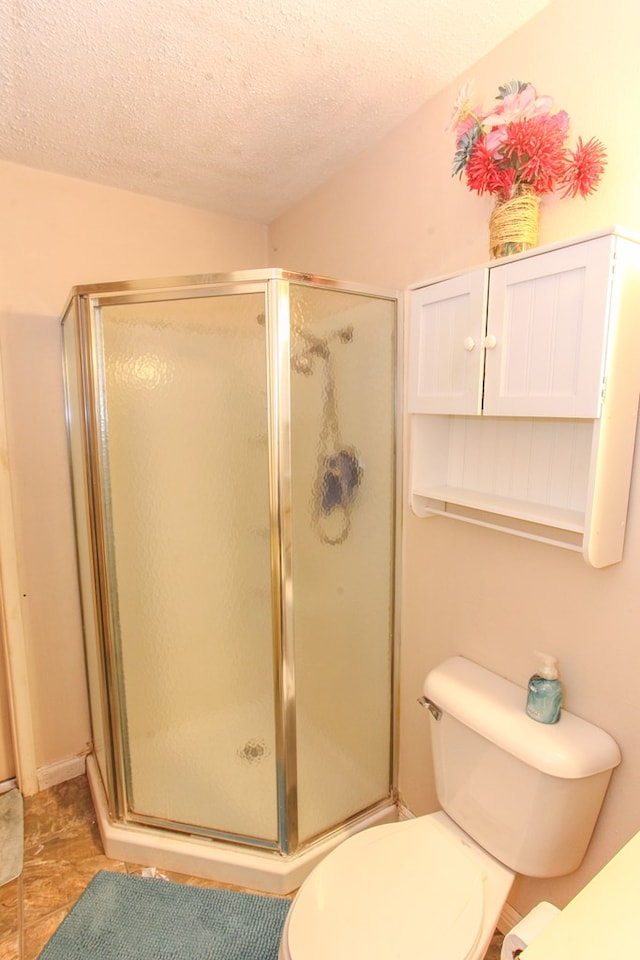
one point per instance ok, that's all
(546, 332)
(446, 345)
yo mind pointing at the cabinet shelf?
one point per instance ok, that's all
(513, 474)
(445, 500)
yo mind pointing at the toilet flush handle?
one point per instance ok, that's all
(432, 707)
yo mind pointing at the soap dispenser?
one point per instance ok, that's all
(544, 695)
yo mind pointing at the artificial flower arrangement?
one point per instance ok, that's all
(521, 144)
(518, 149)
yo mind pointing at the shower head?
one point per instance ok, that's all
(302, 363)
(318, 346)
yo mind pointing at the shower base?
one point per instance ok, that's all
(215, 860)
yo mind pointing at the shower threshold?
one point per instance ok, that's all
(214, 860)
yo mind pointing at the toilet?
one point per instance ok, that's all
(517, 797)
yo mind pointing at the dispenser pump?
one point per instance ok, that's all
(544, 694)
(548, 667)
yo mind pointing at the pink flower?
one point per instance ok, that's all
(535, 148)
(485, 176)
(495, 139)
(461, 108)
(465, 125)
(519, 106)
(584, 168)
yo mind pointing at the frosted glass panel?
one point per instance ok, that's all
(343, 413)
(185, 440)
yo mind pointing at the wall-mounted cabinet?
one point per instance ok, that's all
(524, 378)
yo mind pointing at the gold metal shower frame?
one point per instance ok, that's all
(274, 284)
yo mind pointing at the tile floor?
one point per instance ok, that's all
(62, 853)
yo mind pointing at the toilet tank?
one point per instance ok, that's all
(529, 793)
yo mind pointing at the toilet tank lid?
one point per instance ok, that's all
(495, 708)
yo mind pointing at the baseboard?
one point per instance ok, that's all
(508, 918)
(53, 773)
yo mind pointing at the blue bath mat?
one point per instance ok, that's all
(121, 916)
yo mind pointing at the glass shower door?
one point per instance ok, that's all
(343, 509)
(184, 456)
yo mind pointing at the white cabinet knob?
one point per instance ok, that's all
(490, 342)
(469, 343)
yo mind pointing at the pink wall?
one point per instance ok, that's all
(58, 232)
(395, 217)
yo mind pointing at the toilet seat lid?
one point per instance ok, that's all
(394, 891)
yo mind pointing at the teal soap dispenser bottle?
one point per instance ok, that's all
(544, 695)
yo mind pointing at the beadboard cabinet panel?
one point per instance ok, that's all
(549, 317)
(448, 322)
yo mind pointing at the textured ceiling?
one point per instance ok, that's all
(238, 106)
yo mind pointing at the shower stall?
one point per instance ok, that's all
(233, 459)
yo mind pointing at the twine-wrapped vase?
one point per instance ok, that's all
(513, 226)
